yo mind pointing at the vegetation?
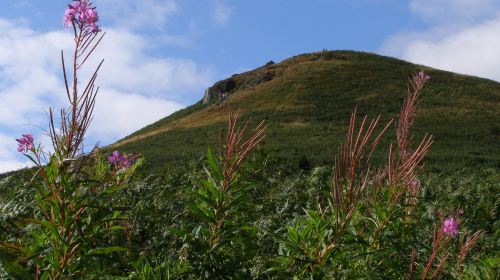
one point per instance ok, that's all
(242, 214)
(275, 200)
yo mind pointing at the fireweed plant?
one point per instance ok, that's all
(74, 222)
(222, 241)
(367, 227)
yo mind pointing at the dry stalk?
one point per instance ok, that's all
(412, 262)
(67, 138)
(404, 162)
(237, 147)
(351, 173)
(235, 150)
(438, 242)
(402, 171)
(466, 246)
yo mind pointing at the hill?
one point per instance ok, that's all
(307, 99)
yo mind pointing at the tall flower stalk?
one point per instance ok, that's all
(221, 242)
(364, 204)
(75, 219)
(74, 121)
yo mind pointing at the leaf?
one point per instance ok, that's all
(236, 201)
(201, 212)
(106, 250)
(202, 197)
(113, 228)
(115, 188)
(32, 159)
(12, 267)
(52, 229)
(214, 165)
(45, 276)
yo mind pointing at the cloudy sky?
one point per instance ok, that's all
(160, 55)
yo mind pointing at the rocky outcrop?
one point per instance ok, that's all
(219, 91)
(222, 89)
(254, 80)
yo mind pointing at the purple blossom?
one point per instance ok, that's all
(69, 17)
(78, 4)
(25, 143)
(119, 161)
(415, 184)
(80, 12)
(450, 226)
(91, 16)
(421, 78)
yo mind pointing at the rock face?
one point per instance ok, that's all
(219, 91)
(257, 79)
(222, 89)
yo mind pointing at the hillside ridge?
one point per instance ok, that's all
(309, 97)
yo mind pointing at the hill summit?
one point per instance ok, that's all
(307, 99)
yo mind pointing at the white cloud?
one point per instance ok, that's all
(28, 72)
(152, 17)
(463, 37)
(11, 165)
(137, 87)
(128, 67)
(221, 13)
(471, 51)
(453, 10)
(119, 113)
(132, 14)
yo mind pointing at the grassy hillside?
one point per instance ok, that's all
(307, 106)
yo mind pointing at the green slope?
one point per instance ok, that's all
(307, 106)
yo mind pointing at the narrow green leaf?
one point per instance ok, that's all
(106, 250)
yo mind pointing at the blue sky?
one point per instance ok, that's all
(160, 55)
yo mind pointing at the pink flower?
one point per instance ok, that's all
(119, 161)
(77, 4)
(92, 16)
(415, 184)
(25, 143)
(450, 227)
(80, 12)
(69, 17)
(421, 78)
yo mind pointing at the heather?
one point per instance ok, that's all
(238, 212)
